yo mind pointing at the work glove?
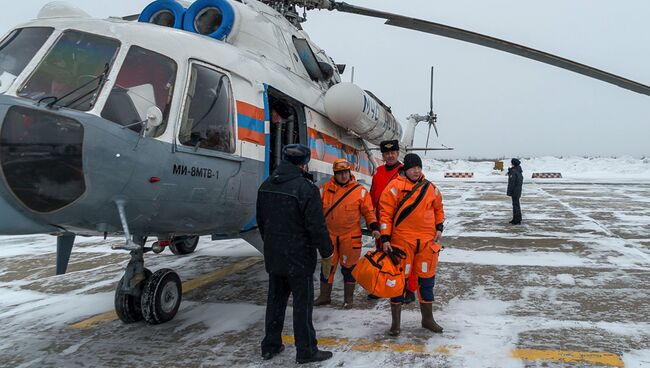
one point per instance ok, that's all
(326, 266)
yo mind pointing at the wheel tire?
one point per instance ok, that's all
(184, 244)
(127, 306)
(161, 296)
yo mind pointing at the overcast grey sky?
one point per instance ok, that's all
(489, 103)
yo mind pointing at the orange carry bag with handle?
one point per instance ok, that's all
(380, 276)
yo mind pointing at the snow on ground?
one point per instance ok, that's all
(573, 277)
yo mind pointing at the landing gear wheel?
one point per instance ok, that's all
(184, 244)
(161, 296)
(127, 306)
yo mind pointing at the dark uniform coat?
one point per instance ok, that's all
(515, 181)
(291, 222)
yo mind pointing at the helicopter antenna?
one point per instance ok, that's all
(352, 77)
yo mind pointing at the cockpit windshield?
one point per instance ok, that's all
(17, 50)
(73, 71)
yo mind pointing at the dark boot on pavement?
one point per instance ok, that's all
(325, 296)
(319, 356)
(270, 354)
(427, 318)
(396, 315)
(348, 295)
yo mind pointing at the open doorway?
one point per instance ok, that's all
(288, 125)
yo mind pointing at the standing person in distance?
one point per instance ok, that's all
(515, 184)
(291, 223)
(345, 202)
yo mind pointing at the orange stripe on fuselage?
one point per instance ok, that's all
(255, 113)
(250, 110)
(251, 136)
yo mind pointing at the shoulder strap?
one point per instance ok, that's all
(341, 200)
(408, 210)
(410, 194)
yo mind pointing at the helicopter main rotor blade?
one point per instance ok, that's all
(409, 149)
(494, 43)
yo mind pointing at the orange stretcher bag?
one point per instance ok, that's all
(380, 275)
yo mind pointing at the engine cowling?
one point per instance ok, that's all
(212, 18)
(350, 107)
(166, 13)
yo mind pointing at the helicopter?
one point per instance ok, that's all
(165, 123)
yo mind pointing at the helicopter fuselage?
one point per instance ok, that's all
(64, 167)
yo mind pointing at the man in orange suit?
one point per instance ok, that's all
(344, 203)
(411, 219)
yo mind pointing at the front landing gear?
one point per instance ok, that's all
(161, 296)
(140, 294)
(127, 306)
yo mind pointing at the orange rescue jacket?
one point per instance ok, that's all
(345, 218)
(418, 219)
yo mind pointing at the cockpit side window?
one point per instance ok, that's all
(146, 79)
(17, 50)
(73, 71)
(208, 119)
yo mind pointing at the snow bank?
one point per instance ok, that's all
(572, 168)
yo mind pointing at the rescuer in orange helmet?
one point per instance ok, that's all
(344, 203)
(411, 219)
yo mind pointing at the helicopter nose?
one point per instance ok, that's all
(41, 158)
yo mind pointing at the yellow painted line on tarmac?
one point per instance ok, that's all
(378, 346)
(603, 359)
(576, 357)
(187, 287)
(219, 274)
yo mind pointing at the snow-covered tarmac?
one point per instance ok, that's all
(568, 287)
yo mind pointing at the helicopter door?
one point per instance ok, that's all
(288, 125)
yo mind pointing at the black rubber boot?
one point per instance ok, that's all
(318, 357)
(348, 295)
(396, 315)
(325, 296)
(427, 318)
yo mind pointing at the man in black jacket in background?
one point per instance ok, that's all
(292, 225)
(515, 182)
